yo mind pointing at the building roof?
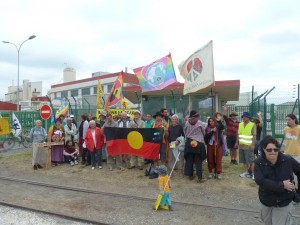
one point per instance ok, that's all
(7, 106)
(227, 90)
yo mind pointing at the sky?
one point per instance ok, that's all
(256, 42)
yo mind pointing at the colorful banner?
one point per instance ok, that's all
(4, 125)
(117, 92)
(143, 142)
(156, 75)
(115, 112)
(198, 69)
(99, 95)
(63, 109)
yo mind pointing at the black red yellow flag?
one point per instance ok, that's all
(143, 142)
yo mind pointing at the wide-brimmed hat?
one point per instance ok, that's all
(157, 114)
(233, 113)
(246, 114)
(137, 111)
(193, 114)
(162, 170)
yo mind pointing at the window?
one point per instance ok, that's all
(109, 87)
(85, 91)
(95, 89)
(74, 92)
(64, 94)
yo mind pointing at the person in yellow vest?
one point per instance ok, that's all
(246, 143)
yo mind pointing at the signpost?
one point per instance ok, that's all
(45, 113)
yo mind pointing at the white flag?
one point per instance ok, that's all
(17, 124)
(198, 69)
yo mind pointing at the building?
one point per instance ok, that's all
(27, 91)
(7, 106)
(82, 94)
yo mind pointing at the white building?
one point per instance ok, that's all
(27, 91)
(83, 91)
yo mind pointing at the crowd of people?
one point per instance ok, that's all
(187, 146)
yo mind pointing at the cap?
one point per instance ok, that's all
(162, 170)
(246, 114)
(233, 113)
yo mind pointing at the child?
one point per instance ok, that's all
(71, 153)
(164, 187)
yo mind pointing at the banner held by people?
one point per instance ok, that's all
(143, 142)
(198, 69)
(117, 92)
(99, 95)
(157, 75)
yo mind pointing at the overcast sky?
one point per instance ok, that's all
(257, 42)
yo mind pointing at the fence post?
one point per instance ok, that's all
(272, 115)
(265, 112)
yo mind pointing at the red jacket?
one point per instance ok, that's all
(90, 142)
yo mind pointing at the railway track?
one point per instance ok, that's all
(117, 195)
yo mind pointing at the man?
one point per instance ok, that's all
(123, 122)
(165, 115)
(231, 133)
(246, 143)
(194, 131)
(292, 140)
(149, 121)
(136, 123)
(111, 123)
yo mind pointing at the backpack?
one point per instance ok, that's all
(150, 169)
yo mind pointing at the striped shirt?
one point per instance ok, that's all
(232, 126)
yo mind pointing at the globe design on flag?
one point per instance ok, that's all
(156, 73)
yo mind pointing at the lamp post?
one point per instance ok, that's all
(18, 50)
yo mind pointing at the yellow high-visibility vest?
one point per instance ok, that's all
(245, 133)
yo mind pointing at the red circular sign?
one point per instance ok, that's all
(45, 112)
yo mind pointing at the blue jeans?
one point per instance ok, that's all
(69, 159)
(166, 199)
(96, 157)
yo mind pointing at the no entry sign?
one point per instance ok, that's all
(45, 112)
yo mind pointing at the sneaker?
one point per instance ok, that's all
(76, 162)
(121, 168)
(210, 176)
(219, 176)
(110, 168)
(253, 178)
(170, 208)
(235, 162)
(93, 168)
(100, 167)
(245, 174)
(72, 163)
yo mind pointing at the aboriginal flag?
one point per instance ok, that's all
(143, 142)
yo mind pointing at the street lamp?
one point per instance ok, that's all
(18, 50)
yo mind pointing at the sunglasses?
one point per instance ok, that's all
(274, 149)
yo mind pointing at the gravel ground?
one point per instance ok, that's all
(11, 216)
(231, 192)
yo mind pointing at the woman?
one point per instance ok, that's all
(70, 131)
(194, 151)
(214, 136)
(175, 131)
(57, 138)
(38, 135)
(71, 153)
(94, 141)
(274, 174)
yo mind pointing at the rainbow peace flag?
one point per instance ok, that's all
(63, 109)
(116, 93)
(157, 75)
(52, 123)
